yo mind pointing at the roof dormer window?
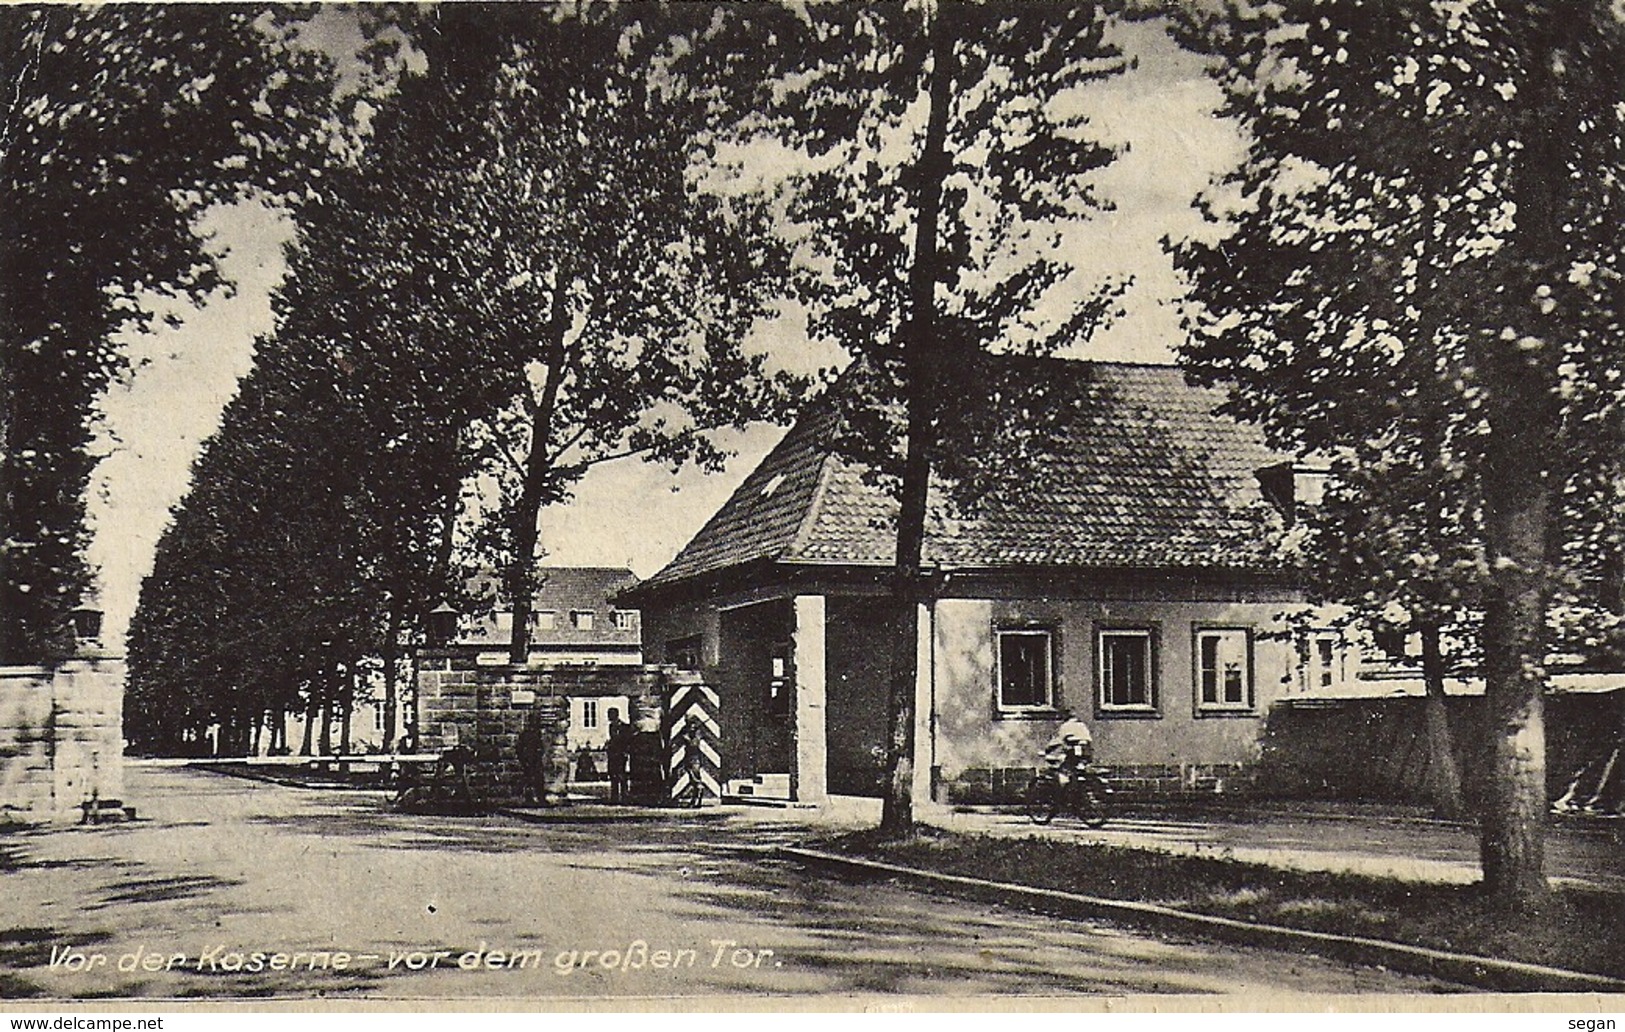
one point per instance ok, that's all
(1293, 486)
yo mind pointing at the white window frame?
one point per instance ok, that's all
(621, 619)
(1048, 703)
(1147, 633)
(545, 619)
(1239, 636)
(582, 619)
(589, 713)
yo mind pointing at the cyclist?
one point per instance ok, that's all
(1072, 748)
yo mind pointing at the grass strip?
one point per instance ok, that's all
(1577, 929)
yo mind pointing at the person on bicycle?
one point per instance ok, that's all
(1072, 748)
(1068, 781)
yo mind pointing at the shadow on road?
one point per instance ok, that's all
(30, 948)
(156, 890)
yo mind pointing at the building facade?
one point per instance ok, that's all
(1130, 579)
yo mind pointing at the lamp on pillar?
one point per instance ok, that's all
(441, 625)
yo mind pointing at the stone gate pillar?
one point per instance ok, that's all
(809, 761)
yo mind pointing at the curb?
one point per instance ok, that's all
(1464, 968)
(284, 782)
(589, 814)
(767, 803)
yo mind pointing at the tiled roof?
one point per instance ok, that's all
(1140, 474)
(563, 590)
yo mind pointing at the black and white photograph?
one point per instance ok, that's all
(787, 505)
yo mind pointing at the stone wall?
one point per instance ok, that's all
(484, 707)
(1139, 782)
(1351, 750)
(61, 738)
(1376, 749)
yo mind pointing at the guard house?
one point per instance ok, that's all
(1138, 589)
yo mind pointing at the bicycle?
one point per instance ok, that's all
(447, 791)
(1082, 792)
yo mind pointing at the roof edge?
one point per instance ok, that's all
(809, 518)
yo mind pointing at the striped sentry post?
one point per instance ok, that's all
(693, 740)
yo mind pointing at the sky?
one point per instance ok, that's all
(631, 513)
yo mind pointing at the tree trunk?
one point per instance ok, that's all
(346, 709)
(392, 658)
(326, 733)
(312, 710)
(522, 563)
(8, 629)
(1513, 828)
(1517, 522)
(521, 575)
(447, 542)
(1444, 778)
(1521, 407)
(921, 359)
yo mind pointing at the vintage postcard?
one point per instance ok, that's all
(546, 506)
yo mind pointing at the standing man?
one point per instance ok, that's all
(620, 758)
(532, 749)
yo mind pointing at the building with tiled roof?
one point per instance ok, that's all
(1127, 572)
(1146, 477)
(575, 623)
(573, 619)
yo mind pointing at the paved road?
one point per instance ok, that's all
(1410, 850)
(220, 869)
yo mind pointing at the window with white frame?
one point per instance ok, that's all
(622, 619)
(581, 619)
(1224, 669)
(1126, 669)
(1025, 676)
(545, 619)
(589, 713)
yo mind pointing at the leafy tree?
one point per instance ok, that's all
(519, 278)
(937, 149)
(390, 447)
(1426, 259)
(122, 123)
(598, 294)
(1397, 540)
(260, 585)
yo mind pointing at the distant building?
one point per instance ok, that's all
(573, 619)
(574, 622)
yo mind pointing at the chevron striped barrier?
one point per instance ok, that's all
(693, 741)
